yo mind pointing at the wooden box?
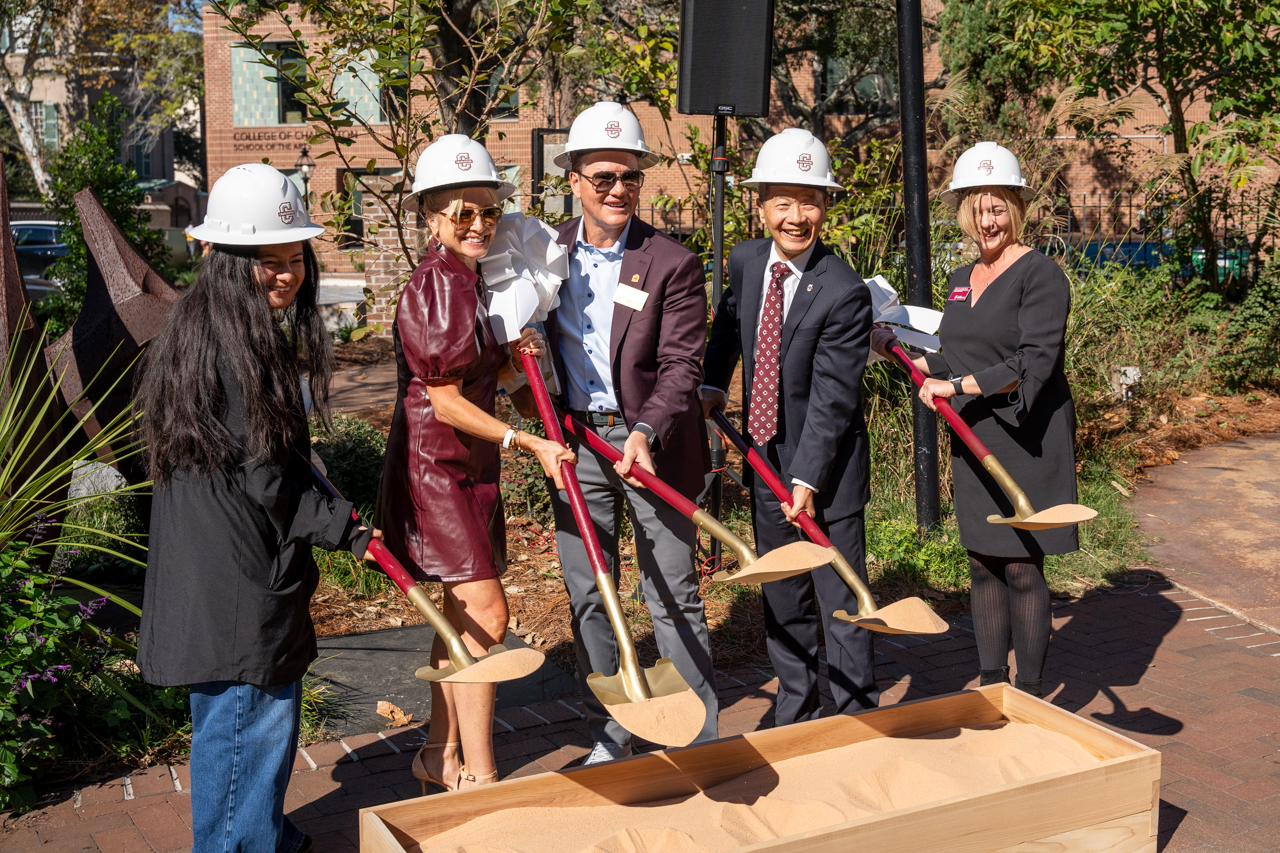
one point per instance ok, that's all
(1108, 807)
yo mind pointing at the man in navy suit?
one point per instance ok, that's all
(800, 317)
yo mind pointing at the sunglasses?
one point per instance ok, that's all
(466, 215)
(603, 181)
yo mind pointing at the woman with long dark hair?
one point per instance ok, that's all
(235, 513)
(439, 499)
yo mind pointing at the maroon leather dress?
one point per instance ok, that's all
(439, 502)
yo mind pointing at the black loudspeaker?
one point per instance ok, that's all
(726, 49)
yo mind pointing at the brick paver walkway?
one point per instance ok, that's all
(1147, 659)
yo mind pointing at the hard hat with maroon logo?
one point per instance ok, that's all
(794, 157)
(987, 164)
(606, 126)
(455, 161)
(255, 205)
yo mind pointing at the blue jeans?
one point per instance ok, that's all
(243, 741)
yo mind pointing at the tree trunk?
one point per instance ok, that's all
(18, 105)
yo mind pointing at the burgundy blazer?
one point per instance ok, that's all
(656, 352)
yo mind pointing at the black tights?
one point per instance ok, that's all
(1010, 601)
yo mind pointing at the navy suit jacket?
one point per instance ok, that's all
(822, 434)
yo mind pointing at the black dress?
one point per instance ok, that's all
(1015, 332)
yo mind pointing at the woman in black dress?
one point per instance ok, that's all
(1001, 365)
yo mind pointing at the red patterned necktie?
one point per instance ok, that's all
(762, 421)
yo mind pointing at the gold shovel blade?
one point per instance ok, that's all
(908, 616)
(501, 664)
(1062, 515)
(673, 717)
(785, 562)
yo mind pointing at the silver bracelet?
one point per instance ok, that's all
(508, 438)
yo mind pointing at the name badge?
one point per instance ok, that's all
(960, 294)
(632, 297)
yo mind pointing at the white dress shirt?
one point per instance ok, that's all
(586, 323)
(789, 286)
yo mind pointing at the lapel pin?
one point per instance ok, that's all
(810, 287)
(635, 277)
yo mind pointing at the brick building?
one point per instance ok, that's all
(250, 117)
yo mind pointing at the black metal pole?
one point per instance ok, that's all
(915, 191)
(719, 166)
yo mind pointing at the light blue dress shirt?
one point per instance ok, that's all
(586, 322)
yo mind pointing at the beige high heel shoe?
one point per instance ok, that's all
(420, 768)
(473, 781)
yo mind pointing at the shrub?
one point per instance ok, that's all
(91, 160)
(1250, 345)
(353, 452)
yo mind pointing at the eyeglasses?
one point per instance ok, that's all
(466, 215)
(632, 180)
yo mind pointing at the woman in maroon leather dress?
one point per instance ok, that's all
(439, 501)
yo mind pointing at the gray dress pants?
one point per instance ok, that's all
(665, 546)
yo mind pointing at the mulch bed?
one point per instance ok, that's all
(1186, 422)
(365, 352)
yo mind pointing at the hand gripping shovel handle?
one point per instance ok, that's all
(458, 653)
(1021, 503)
(628, 661)
(866, 602)
(679, 502)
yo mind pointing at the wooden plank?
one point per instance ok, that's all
(1101, 741)
(1012, 814)
(375, 837)
(1122, 835)
(683, 772)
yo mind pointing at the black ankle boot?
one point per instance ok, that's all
(1032, 688)
(993, 676)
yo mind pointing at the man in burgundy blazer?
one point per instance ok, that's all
(627, 341)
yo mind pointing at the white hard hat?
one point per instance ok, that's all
(794, 157)
(255, 205)
(987, 164)
(451, 162)
(606, 126)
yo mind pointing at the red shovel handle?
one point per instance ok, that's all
(567, 472)
(765, 471)
(381, 555)
(944, 408)
(682, 504)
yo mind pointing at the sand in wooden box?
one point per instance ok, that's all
(788, 798)
(990, 770)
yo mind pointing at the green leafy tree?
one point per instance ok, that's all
(398, 74)
(91, 160)
(1008, 92)
(1179, 53)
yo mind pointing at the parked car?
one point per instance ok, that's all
(38, 244)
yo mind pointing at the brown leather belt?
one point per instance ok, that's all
(599, 418)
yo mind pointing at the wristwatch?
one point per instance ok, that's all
(955, 383)
(646, 431)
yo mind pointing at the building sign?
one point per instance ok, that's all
(270, 140)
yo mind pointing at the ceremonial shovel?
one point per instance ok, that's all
(794, 559)
(1024, 516)
(656, 704)
(501, 664)
(908, 616)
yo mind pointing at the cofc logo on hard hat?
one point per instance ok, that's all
(985, 166)
(613, 129)
(805, 162)
(286, 212)
(463, 161)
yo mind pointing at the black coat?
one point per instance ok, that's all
(822, 434)
(229, 567)
(1015, 333)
